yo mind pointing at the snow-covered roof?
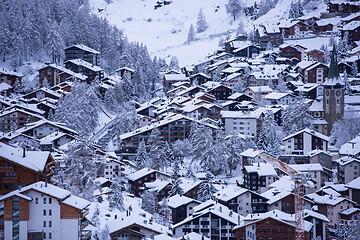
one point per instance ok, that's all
(251, 153)
(318, 151)
(175, 117)
(230, 192)
(34, 160)
(350, 211)
(326, 199)
(30, 126)
(12, 110)
(139, 174)
(157, 185)
(260, 89)
(219, 210)
(316, 106)
(351, 26)
(333, 21)
(188, 184)
(244, 115)
(80, 62)
(175, 77)
(84, 48)
(284, 183)
(125, 68)
(346, 160)
(56, 192)
(193, 236)
(310, 213)
(4, 86)
(351, 148)
(275, 195)
(177, 201)
(308, 131)
(262, 169)
(65, 70)
(275, 95)
(275, 214)
(309, 167)
(354, 184)
(52, 137)
(139, 220)
(9, 72)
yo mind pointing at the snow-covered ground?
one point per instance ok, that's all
(164, 30)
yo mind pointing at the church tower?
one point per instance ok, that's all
(333, 98)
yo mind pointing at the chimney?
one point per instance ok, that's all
(24, 152)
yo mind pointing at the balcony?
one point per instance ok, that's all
(9, 179)
(85, 234)
(6, 169)
(84, 224)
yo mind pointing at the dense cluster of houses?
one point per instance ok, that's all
(234, 88)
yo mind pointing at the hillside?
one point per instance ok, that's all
(165, 29)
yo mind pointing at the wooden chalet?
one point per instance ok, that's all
(19, 167)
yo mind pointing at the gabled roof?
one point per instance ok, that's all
(230, 192)
(250, 152)
(351, 26)
(218, 209)
(33, 160)
(80, 62)
(9, 72)
(308, 131)
(65, 70)
(125, 68)
(260, 89)
(33, 125)
(141, 173)
(309, 167)
(354, 184)
(276, 95)
(310, 213)
(175, 77)
(61, 194)
(262, 169)
(84, 48)
(177, 201)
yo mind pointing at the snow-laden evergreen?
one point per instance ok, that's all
(116, 200)
(191, 34)
(296, 117)
(142, 159)
(176, 181)
(234, 7)
(201, 24)
(269, 139)
(206, 190)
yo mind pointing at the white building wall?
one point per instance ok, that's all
(23, 229)
(8, 229)
(37, 217)
(69, 229)
(244, 201)
(307, 143)
(190, 208)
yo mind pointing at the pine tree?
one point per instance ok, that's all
(269, 139)
(55, 43)
(236, 145)
(206, 190)
(201, 24)
(349, 231)
(346, 82)
(344, 130)
(354, 69)
(221, 149)
(203, 147)
(157, 155)
(191, 34)
(174, 63)
(79, 109)
(116, 200)
(343, 48)
(270, 59)
(169, 154)
(82, 165)
(176, 181)
(296, 117)
(95, 217)
(234, 7)
(142, 156)
(296, 10)
(269, 47)
(165, 213)
(148, 202)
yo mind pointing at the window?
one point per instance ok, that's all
(50, 212)
(50, 200)
(50, 235)
(44, 223)
(44, 235)
(36, 200)
(44, 200)
(44, 212)
(50, 223)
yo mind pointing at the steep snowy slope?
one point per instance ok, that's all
(164, 30)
